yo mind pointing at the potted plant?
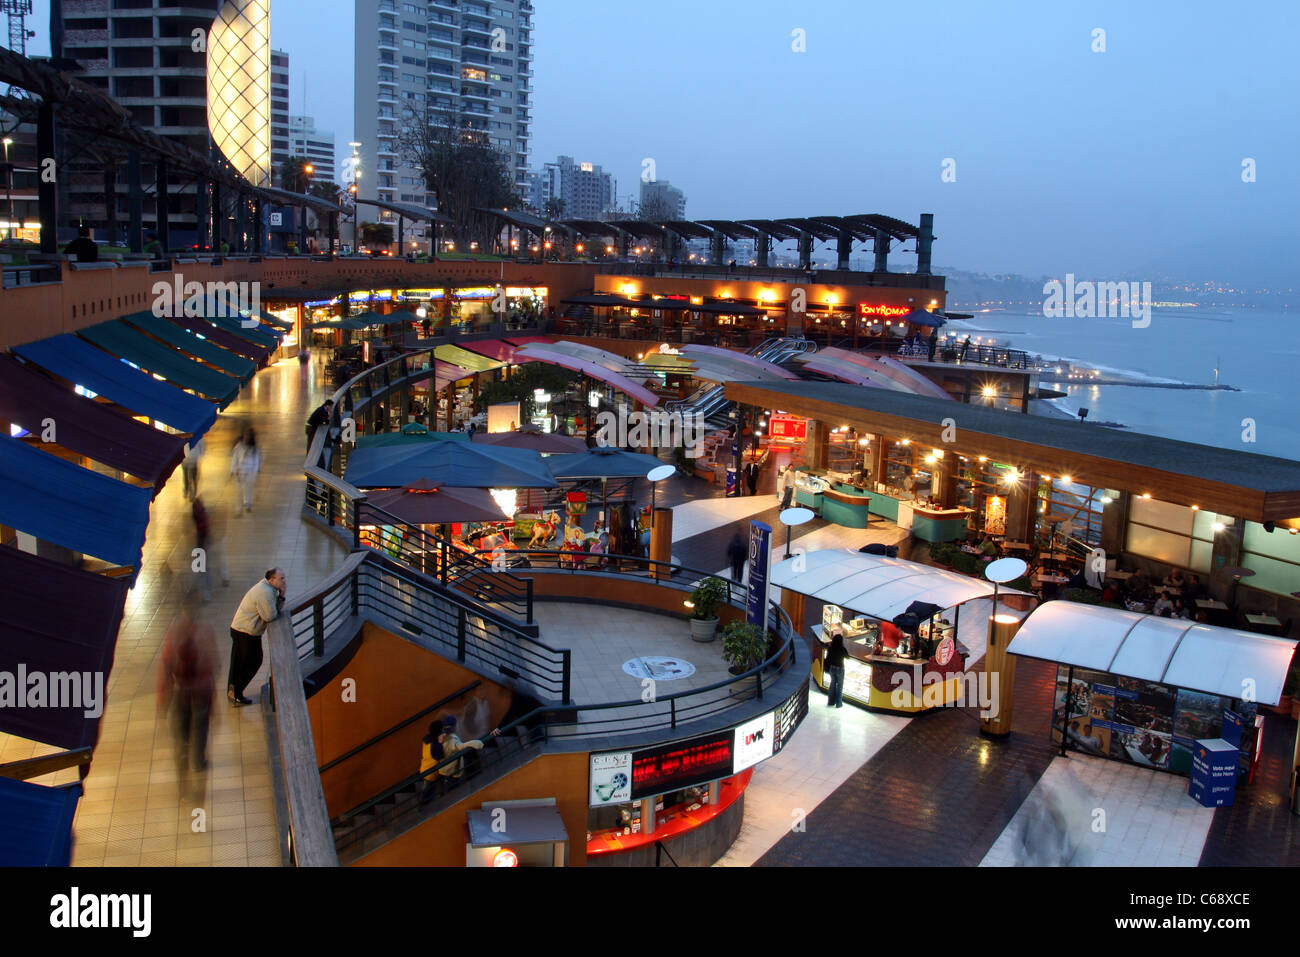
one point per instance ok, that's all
(703, 604)
(744, 645)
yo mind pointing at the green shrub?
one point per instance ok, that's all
(1085, 596)
(706, 596)
(743, 645)
(943, 553)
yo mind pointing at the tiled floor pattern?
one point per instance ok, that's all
(1087, 811)
(136, 810)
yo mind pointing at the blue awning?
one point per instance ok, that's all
(36, 824)
(152, 356)
(57, 501)
(190, 344)
(82, 364)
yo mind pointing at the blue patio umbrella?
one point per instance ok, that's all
(458, 464)
(603, 464)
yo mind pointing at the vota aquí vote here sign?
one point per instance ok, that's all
(760, 549)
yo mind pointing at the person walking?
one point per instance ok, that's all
(190, 468)
(751, 477)
(452, 745)
(245, 463)
(430, 754)
(737, 553)
(835, 669)
(83, 247)
(259, 607)
(186, 684)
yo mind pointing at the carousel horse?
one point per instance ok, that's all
(544, 530)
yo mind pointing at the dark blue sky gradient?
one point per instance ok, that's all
(1122, 164)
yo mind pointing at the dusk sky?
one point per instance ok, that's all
(1118, 164)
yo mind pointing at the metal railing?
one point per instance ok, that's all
(374, 586)
(519, 740)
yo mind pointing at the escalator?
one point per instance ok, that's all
(710, 402)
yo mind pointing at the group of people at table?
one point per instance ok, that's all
(1174, 597)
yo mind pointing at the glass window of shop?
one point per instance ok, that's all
(898, 465)
(1273, 556)
(1171, 533)
(625, 818)
(846, 451)
(974, 485)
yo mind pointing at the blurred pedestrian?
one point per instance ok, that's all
(737, 553)
(835, 670)
(260, 606)
(190, 468)
(320, 417)
(431, 753)
(186, 682)
(245, 463)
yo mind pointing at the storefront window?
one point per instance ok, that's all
(1273, 556)
(1172, 533)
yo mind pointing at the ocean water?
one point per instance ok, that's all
(1256, 351)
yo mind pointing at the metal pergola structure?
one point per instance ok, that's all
(106, 133)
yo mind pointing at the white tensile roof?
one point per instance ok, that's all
(1171, 651)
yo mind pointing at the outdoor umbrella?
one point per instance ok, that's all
(458, 464)
(429, 503)
(603, 464)
(534, 439)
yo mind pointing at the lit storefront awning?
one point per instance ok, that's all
(135, 347)
(224, 338)
(57, 501)
(81, 363)
(29, 399)
(190, 344)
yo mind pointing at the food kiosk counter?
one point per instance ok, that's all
(898, 683)
(837, 502)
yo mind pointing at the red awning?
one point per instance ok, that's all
(227, 340)
(43, 407)
(502, 350)
(56, 618)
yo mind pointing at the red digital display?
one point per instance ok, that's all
(659, 770)
(788, 427)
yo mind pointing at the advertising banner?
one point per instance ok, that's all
(1214, 773)
(760, 549)
(611, 778)
(682, 764)
(754, 742)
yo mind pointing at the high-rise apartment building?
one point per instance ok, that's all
(432, 61)
(279, 109)
(316, 146)
(154, 58)
(662, 200)
(585, 190)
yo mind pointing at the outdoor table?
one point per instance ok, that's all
(1015, 546)
(1119, 575)
(1211, 604)
(1268, 620)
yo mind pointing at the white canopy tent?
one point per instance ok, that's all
(876, 585)
(1170, 651)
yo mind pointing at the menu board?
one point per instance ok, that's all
(789, 716)
(1142, 722)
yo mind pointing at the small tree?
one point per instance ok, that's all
(706, 597)
(743, 645)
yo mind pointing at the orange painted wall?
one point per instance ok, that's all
(87, 297)
(394, 679)
(440, 841)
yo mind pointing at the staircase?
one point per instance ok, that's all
(710, 401)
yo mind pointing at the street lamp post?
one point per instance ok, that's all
(9, 190)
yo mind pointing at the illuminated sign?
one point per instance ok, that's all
(891, 312)
(505, 858)
(755, 741)
(788, 427)
(682, 765)
(995, 515)
(789, 716)
(611, 778)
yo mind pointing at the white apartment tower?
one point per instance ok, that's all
(418, 56)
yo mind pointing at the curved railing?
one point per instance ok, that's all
(519, 740)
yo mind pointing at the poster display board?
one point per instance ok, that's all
(1142, 722)
(1214, 773)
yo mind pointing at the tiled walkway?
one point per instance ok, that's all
(134, 810)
